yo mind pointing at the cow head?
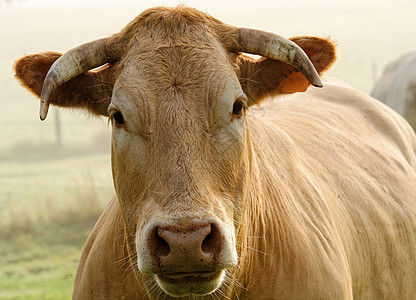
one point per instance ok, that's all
(177, 87)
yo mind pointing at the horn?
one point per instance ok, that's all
(73, 63)
(276, 47)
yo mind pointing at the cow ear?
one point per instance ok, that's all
(266, 77)
(91, 90)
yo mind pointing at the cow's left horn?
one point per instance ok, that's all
(73, 63)
(276, 47)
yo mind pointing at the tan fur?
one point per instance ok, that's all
(319, 191)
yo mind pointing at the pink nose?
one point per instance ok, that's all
(192, 248)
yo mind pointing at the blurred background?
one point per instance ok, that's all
(55, 175)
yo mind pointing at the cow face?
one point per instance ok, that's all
(177, 90)
(180, 161)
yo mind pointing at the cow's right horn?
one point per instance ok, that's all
(73, 63)
(276, 47)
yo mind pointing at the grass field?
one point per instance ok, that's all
(40, 263)
(43, 227)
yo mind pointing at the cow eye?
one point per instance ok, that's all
(118, 118)
(237, 108)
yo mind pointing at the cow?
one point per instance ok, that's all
(397, 87)
(312, 199)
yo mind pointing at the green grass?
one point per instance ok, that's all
(47, 209)
(38, 265)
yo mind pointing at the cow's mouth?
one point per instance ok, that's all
(182, 284)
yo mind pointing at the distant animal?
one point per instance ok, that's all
(397, 87)
(315, 199)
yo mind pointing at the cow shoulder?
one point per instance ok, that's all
(104, 270)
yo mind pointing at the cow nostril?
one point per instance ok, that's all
(212, 243)
(159, 247)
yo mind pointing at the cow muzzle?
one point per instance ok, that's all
(186, 257)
